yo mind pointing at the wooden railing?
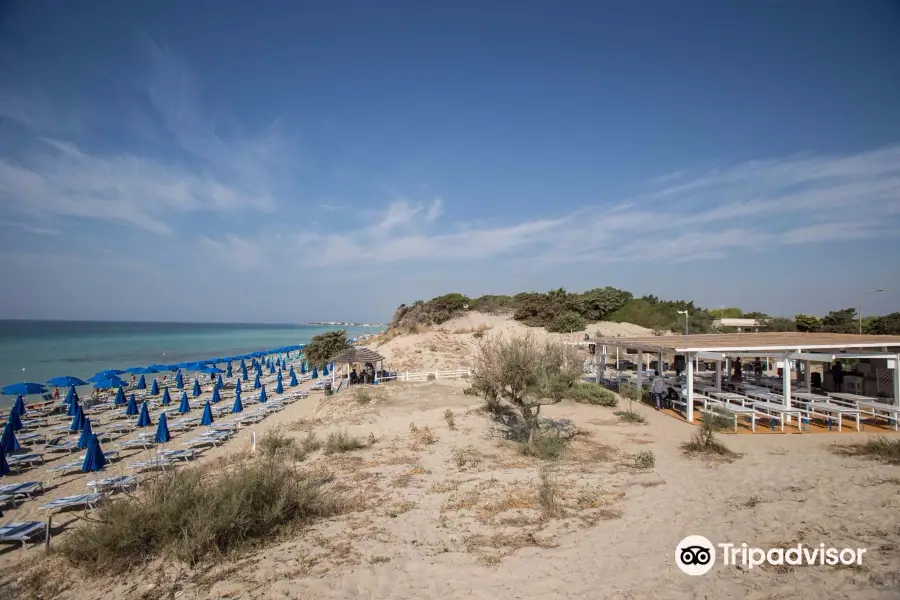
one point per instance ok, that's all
(412, 376)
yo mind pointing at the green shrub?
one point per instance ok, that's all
(545, 447)
(630, 416)
(880, 448)
(592, 393)
(337, 443)
(363, 396)
(194, 515)
(704, 440)
(567, 322)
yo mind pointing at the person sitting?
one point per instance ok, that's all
(837, 375)
(758, 369)
(354, 377)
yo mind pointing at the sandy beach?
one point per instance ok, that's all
(448, 509)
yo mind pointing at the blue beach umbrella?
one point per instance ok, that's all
(86, 433)
(166, 398)
(24, 388)
(144, 418)
(73, 408)
(279, 389)
(120, 397)
(132, 408)
(77, 421)
(108, 384)
(94, 460)
(332, 366)
(237, 406)
(211, 370)
(293, 381)
(228, 371)
(4, 466)
(160, 368)
(162, 430)
(303, 368)
(142, 383)
(271, 369)
(179, 380)
(66, 381)
(185, 406)
(243, 364)
(238, 385)
(8, 442)
(256, 383)
(325, 370)
(244, 372)
(196, 390)
(207, 418)
(220, 383)
(154, 388)
(70, 395)
(315, 373)
(262, 395)
(14, 421)
(19, 405)
(216, 397)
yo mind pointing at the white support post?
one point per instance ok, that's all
(718, 374)
(728, 369)
(897, 380)
(689, 365)
(661, 367)
(786, 385)
(640, 368)
(808, 374)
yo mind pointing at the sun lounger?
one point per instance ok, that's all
(151, 465)
(123, 427)
(68, 468)
(33, 423)
(31, 438)
(249, 419)
(24, 460)
(67, 446)
(142, 442)
(21, 531)
(27, 489)
(186, 423)
(112, 484)
(212, 439)
(78, 501)
(183, 455)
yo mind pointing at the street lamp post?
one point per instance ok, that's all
(859, 312)
(685, 313)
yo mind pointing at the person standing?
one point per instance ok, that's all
(658, 389)
(837, 375)
(758, 370)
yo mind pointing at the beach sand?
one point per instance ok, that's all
(465, 515)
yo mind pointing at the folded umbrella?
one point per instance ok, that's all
(132, 408)
(144, 418)
(94, 460)
(196, 390)
(237, 406)
(77, 421)
(166, 398)
(216, 397)
(293, 378)
(120, 397)
(220, 384)
(262, 395)
(185, 406)
(279, 389)
(154, 388)
(8, 441)
(162, 430)
(86, 433)
(142, 383)
(256, 383)
(4, 466)
(207, 415)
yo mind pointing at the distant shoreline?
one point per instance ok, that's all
(345, 324)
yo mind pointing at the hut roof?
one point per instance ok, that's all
(358, 354)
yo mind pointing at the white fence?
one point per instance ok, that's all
(428, 375)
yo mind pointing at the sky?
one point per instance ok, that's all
(294, 161)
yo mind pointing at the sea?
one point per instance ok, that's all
(39, 350)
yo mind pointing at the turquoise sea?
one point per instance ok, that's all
(39, 350)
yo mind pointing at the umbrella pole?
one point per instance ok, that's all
(47, 533)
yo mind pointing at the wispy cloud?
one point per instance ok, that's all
(184, 166)
(748, 207)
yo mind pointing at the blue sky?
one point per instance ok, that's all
(290, 161)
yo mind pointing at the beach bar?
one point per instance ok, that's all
(875, 391)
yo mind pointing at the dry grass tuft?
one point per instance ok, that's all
(341, 442)
(451, 421)
(421, 437)
(467, 457)
(879, 448)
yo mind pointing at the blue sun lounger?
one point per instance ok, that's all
(20, 531)
(183, 455)
(24, 460)
(67, 446)
(113, 484)
(152, 464)
(25, 489)
(78, 501)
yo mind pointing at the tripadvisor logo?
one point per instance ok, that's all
(696, 555)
